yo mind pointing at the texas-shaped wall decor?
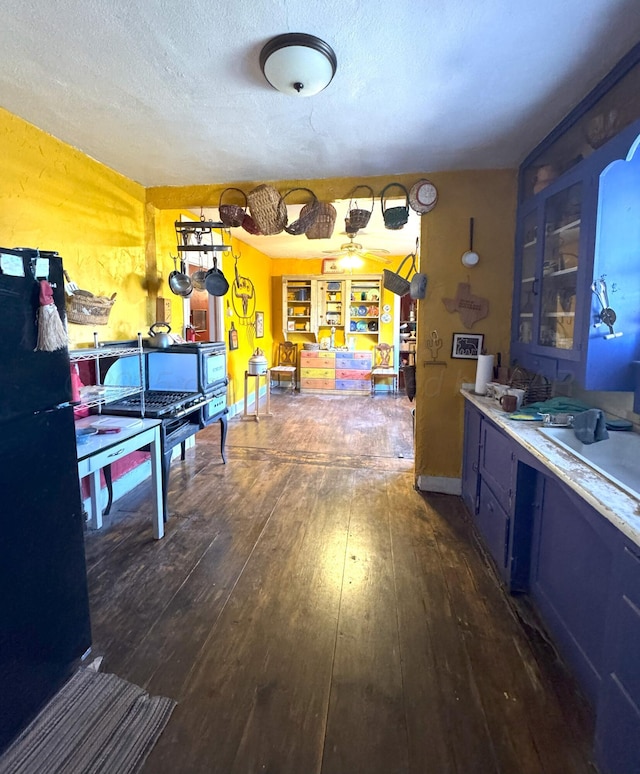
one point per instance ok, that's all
(470, 308)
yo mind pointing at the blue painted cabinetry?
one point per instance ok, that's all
(471, 457)
(580, 572)
(570, 577)
(487, 485)
(618, 720)
(577, 224)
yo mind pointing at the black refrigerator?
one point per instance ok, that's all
(44, 606)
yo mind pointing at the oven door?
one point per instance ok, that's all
(214, 408)
(214, 369)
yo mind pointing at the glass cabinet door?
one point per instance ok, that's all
(527, 278)
(562, 217)
(331, 302)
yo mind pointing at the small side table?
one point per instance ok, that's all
(266, 375)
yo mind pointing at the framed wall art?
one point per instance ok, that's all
(467, 345)
(233, 337)
(259, 325)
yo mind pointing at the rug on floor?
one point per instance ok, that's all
(95, 723)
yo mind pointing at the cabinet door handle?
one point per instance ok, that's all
(634, 551)
(474, 467)
(534, 287)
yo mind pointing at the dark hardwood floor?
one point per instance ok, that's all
(312, 613)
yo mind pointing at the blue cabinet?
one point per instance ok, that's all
(570, 576)
(471, 457)
(577, 224)
(487, 475)
(579, 230)
(618, 719)
(581, 574)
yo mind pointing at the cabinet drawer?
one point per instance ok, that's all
(308, 358)
(352, 364)
(113, 453)
(317, 373)
(497, 463)
(353, 384)
(351, 373)
(493, 524)
(317, 384)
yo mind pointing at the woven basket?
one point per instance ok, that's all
(83, 308)
(268, 209)
(358, 218)
(308, 214)
(322, 227)
(232, 215)
(249, 225)
(395, 282)
(395, 217)
(536, 387)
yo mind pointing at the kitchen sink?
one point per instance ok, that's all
(617, 458)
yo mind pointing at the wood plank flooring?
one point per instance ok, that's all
(312, 613)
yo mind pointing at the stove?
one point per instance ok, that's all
(158, 404)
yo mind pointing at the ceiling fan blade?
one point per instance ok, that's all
(370, 255)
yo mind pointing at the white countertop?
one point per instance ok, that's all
(618, 507)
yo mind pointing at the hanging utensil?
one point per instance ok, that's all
(470, 258)
(216, 283)
(606, 314)
(179, 283)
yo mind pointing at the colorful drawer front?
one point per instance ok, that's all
(317, 384)
(353, 364)
(317, 373)
(307, 356)
(353, 384)
(352, 373)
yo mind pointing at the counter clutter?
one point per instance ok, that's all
(618, 507)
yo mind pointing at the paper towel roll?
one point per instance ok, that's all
(484, 373)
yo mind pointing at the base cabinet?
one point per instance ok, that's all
(581, 573)
(571, 564)
(471, 458)
(618, 720)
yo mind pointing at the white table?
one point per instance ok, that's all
(266, 375)
(103, 449)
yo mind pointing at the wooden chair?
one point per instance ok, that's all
(287, 363)
(383, 367)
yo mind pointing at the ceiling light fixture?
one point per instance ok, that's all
(298, 64)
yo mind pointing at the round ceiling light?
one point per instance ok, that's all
(298, 64)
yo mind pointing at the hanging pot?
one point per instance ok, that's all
(180, 283)
(215, 282)
(418, 285)
(160, 340)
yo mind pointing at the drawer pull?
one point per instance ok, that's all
(116, 453)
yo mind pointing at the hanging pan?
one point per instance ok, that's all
(216, 283)
(470, 258)
(418, 285)
(179, 283)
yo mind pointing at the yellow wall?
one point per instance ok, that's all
(257, 267)
(116, 237)
(490, 198)
(55, 198)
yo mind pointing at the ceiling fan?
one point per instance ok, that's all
(352, 252)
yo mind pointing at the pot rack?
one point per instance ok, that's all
(191, 235)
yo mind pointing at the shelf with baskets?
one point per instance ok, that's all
(98, 394)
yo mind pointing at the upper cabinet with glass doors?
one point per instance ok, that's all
(556, 314)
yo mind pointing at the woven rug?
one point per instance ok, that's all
(95, 723)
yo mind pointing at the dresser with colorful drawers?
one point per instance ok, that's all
(341, 371)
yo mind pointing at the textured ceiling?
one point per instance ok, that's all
(171, 93)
